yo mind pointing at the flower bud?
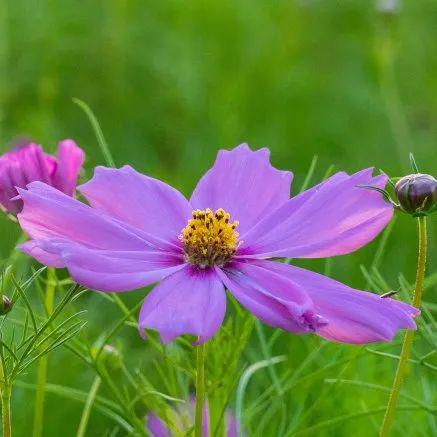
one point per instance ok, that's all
(417, 194)
(109, 355)
(28, 163)
(5, 305)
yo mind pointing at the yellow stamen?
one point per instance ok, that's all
(209, 239)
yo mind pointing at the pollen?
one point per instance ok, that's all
(209, 238)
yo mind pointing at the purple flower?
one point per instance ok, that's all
(138, 230)
(28, 163)
(184, 420)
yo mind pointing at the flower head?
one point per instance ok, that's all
(28, 163)
(184, 419)
(209, 238)
(240, 218)
(5, 305)
(417, 194)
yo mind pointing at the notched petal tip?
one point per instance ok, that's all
(347, 315)
(333, 218)
(188, 302)
(242, 173)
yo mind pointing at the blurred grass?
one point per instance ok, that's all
(171, 82)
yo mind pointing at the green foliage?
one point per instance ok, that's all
(171, 82)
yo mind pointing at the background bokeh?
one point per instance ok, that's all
(171, 82)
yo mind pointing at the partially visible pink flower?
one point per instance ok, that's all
(28, 163)
(238, 221)
(184, 420)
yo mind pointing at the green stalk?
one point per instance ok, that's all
(88, 406)
(43, 362)
(200, 389)
(5, 389)
(409, 336)
(6, 410)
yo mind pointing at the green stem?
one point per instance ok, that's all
(200, 389)
(409, 336)
(6, 410)
(88, 406)
(43, 362)
(5, 389)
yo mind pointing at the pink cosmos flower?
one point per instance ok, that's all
(184, 420)
(138, 231)
(28, 163)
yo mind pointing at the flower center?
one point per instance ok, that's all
(209, 239)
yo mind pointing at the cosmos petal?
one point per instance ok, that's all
(191, 301)
(156, 427)
(34, 163)
(18, 167)
(100, 252)
(334, 218)
(33, 249)
(244, 184)
(50, 214)
(352, 316)
(141, 201)
(10, 177)
(276, 301)
(69, 161)
(112, 270)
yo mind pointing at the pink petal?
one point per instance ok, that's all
(243, 183)
(156, 427)
(70, 158)
(18, 167)
(334, 218)
(49, 214)
(33, 249)
(141, 201)
(275, 300)
(10, 177)
(110, 270)
(34, 163)
(191, 301)
(352, 316)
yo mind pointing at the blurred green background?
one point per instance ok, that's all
(171, 82)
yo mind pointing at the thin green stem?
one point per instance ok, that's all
(97, 131)
(200, 389)
(5, 389)
(88, 406)
(49, 300)
(6, 410)
(409, 336)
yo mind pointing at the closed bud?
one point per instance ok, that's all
(109, 355)
(417, 194)
(28, 163)
(6, 305)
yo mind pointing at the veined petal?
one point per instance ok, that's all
(48, 214)
(34, 163)
(352, 316)
(275, 300)
(18, 167)
(69, 161)
(141, 201)
(10, 177)
(191, 301)
(111, 270)
(243, 183)
(33, 248)
(334, 218)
